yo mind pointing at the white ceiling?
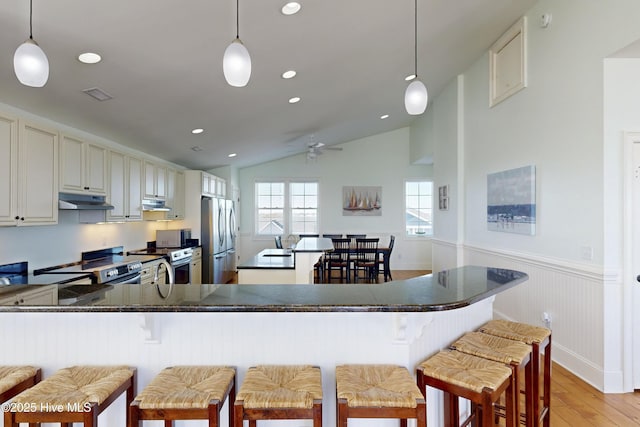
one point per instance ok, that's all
(162, 63)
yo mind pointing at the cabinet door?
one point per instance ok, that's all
(195, 272)
(8, 169)
(134, 187)
(149, 180)
(161, 182)
(96, 169)
(178, 197)
(38, 175)
(117, 186)
(71, 164)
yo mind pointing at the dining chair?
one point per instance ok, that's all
(366, 259)
(332, 236)
(385, 258)
(339, 259)
(278, 242)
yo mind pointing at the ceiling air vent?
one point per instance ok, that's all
(98, 94)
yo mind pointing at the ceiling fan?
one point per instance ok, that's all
(314, 149)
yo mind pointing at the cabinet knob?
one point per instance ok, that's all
(17, 217)
(87, 188)
(16, 303)
(21, 218)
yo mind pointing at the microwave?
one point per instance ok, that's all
(173, 238)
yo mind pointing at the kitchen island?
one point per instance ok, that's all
(400, 322)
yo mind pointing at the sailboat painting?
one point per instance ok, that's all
(361, 201)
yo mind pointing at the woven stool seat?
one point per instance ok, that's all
(479, 380)
(492, 348)
(273, 386)
(376, 385)
(75, 394)
(280, 392)
(378, 391)
(11, 376)
(464, 370)
(187, 387)
(515, 331)
(185, 393)
(78, 384)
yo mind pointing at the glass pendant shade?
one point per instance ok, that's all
(236, 64)
(31, 64)
(415, 98)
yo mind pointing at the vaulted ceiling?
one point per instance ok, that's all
(162, 64)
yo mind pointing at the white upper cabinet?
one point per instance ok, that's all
(125, 188)
(175, 194)
(155, 181)
(8, 169)
(213, 186)
(29, 194)
(83, 166)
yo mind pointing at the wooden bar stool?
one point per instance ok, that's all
(513, 353)
(16, 379)
(186, 393)
(75, 394)
(479, 380)
(280, 392)
(540, 340)
(378, 391)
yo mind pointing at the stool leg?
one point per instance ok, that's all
(168, 423)
(214, 414)
(90, 418)
(451, 409)
(231, 399)
(317, 414)
(487, 411)
(421, 414)
(547, 384)
(535, 361)
(403, 422)
(529, 396)
(134, 415)
(252, 423)
(342, 413)
(237, 415)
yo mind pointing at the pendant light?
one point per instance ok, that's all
(236, 63)
(30, 62)
(416, 97)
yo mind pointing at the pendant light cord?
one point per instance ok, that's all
(237, 19)
(415, 38)
(31, 19)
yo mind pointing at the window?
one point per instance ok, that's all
(419, 208)
(284, 208)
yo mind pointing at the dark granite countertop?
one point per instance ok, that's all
(446, 290)
(270, 259)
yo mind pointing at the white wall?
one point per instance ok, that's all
(556, 124)
(379, 160)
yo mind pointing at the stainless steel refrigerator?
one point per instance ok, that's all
(231, 231)
(214, 240)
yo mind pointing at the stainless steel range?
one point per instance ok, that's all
(101, 266)
(179, 259)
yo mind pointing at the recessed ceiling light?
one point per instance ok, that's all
(289, 74)
(291, 8)
(384, 116)
(410, 77)
(197, 131)
(294, 100)
(89, 58)
(232, 155)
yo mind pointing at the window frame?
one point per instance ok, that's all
(432, 208)
(287, 217)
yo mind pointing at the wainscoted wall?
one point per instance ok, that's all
(152, 341)
(571, 293)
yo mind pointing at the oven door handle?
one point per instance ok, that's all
(133, 280)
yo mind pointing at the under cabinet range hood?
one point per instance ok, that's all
(69, 201)
(154, 205)
(90, 209)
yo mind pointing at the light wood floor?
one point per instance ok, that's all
(574, 403)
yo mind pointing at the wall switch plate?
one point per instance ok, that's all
(586, 253)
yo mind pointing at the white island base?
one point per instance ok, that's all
(151, 341)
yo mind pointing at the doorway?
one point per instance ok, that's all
(632, 248)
